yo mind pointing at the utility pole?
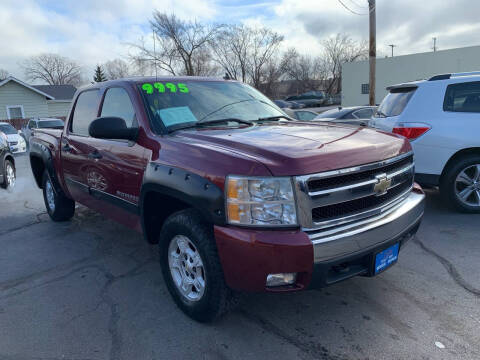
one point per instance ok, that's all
(372, 53)
(434, 44)
(392, 46)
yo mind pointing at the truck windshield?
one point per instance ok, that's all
(177, 105)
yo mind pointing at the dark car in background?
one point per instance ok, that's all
(309, 99)
(7, 164)
(288, 104)
(357, 115)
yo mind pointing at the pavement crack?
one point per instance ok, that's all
(451, 269)
(314, 350)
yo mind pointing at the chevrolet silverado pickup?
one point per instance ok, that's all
(238, 196)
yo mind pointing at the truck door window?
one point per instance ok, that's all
(117, 103)
(85, 112)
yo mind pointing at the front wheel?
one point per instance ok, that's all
(9, 175)
(191, 267)
(59, 207)
(460, 185)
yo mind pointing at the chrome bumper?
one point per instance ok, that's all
(369, 233)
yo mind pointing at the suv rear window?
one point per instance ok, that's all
(463, 97)
(395, 102)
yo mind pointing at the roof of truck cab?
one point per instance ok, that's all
(143, 79)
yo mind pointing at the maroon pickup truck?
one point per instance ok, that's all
(238, 196)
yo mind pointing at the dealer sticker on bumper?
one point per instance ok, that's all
(386, 258)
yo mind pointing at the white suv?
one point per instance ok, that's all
(441, 117)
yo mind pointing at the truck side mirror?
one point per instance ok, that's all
(110, 127)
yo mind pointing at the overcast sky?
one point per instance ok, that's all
(94, 31)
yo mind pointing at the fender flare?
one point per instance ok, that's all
(45, 155)
(190, 188)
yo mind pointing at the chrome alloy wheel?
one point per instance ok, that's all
(10, 176)
(467, 185)
(50, 195)
(186, 268)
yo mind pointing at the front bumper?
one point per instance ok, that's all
(320, 258)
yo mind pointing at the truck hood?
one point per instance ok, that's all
(13, 137)
(299, 148)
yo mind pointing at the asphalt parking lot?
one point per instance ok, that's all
(92, 289)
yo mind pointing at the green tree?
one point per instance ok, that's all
(99, 74)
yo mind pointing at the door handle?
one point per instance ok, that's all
(66, 148)
(95, 155)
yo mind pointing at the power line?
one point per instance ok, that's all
(346, 7)
(354, 12)
(357, 4)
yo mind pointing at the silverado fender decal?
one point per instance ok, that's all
(185, 186)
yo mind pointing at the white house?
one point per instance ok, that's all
(399, 69)
(21, 100)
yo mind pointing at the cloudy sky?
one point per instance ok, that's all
(94, 31)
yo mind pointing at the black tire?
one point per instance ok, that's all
(64, 208)
(5, 183)
(448, 183)
(217, 298)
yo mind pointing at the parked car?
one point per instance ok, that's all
(357, 115)
(441, 118)
(288, 104)
(309, 99)
(7, 164)
(41, 123)
(333, 100)
(303, 115)
(16, 141)
(236, 199)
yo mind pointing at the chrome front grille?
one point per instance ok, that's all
(347, 195)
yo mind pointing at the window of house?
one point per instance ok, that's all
(117, 103)
(85, 112)
(365, 88)
(15, 112)
(463, 97)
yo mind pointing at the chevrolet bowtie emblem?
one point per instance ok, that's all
(383, 183)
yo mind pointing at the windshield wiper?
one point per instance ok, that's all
(274, 118)
(240, 121)
(190, 125)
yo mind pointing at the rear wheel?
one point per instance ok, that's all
(59, 207)
(191, 267)
(460, 185)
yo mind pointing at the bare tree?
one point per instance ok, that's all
(271, 74)
(181, 46)
(339, 50)
(231, 49)
(3, 74)
(53, 69)
(116, 69)
(263, 45)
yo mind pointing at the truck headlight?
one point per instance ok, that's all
(260, 201)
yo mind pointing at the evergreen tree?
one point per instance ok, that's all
(99, 74)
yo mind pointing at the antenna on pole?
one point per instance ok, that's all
(154, 55)
(434, 44)
(392, 46)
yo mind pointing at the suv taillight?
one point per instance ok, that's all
(411, 132)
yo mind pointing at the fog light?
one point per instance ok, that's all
(281, 279)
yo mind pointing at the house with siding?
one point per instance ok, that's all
(19, 100)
